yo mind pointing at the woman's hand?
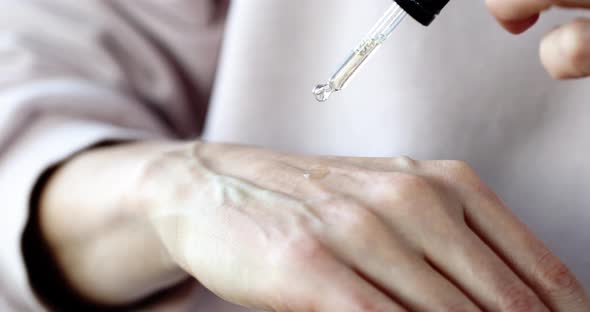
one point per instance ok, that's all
(565, 51)
(296, 233)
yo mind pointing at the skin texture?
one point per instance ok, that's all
(287, 232)
(93, 225)
(266, 230)
(565, 51)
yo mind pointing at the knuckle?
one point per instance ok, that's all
(355, 218)
(464, 175)
(518, 298)
(460, 170)
(554, 276)
(303, 250)
(406, 163)
(413, 195)
(404, 186)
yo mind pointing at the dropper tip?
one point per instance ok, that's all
(322, 92)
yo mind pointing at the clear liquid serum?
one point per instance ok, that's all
(423, 11)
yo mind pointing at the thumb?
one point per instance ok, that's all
(565, 52)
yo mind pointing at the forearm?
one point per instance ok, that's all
(98, 232)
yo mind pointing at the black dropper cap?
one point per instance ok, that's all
(424, 11)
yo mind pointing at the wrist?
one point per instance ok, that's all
(101, 239)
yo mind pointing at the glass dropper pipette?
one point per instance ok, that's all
(374, 39)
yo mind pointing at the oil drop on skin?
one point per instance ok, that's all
(316, 173)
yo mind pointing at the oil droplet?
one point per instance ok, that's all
(316, 173)
(322, 92)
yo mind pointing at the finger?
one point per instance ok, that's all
(517, 246)
(322, 283)
(480, 272)
(526, 254)
(392, 265)
(514, 11)
(519, 26)
(351, 293)
(565, 52)
(573, 3)
(521, 11)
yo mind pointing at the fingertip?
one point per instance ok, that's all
(520, 26)
(518, 11)
(565, 51)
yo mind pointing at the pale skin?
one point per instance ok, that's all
(297, 233)
(288, 232)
